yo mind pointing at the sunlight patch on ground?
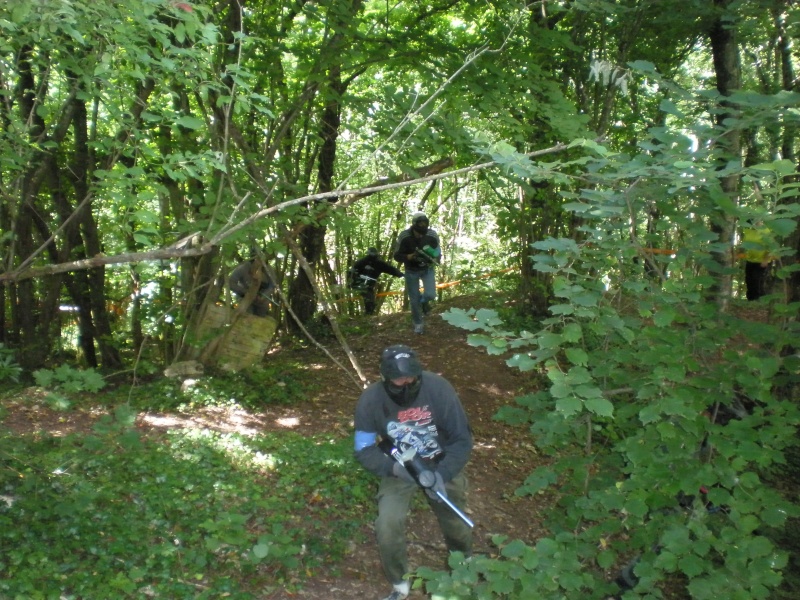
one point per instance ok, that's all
(494, 390)
(225, 420)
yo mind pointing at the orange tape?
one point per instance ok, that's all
(448, 284)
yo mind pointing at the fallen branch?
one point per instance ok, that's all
(177, 251)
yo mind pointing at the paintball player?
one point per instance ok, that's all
(251, 272)
(413, 410)
(756, 260)
(418, 250)
(364, 275)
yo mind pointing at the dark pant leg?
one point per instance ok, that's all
(394, 497)
(754, 277)
(369, 300)
(457, 534)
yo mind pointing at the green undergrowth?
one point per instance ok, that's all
(188, 514)
(252, 389)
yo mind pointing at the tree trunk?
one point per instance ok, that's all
(784, 47)
(80, 170)
(312, 237)
(727, 68)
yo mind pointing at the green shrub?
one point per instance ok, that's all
(9, 369)
(65, 383)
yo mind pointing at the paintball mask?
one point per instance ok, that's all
(419, 222)
(398, 362)
(372, 252)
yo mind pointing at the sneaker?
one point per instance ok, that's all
(400, 591)
(419, 328)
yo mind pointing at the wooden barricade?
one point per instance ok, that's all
(239, 339)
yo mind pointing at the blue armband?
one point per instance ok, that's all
(364, 439)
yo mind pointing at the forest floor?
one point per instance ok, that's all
(502, 456)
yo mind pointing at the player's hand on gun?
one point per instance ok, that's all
(437, 487)
(428, 254)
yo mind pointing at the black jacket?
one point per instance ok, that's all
(408, 243)
(365, 271)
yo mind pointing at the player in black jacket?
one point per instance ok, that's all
(363, 277)
(419, 251)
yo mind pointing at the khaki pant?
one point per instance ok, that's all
(394, 498)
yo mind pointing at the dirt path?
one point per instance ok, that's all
(501, 460)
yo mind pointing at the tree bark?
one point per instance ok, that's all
(727, 68)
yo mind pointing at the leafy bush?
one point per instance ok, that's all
(9, 369)
(65, 382)
(663, 414)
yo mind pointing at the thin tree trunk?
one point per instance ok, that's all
(727, 67)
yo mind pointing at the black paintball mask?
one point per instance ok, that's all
(419, 223)
(399, 362)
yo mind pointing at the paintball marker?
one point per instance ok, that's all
(424, 477)
(359, 281)
(428, 255)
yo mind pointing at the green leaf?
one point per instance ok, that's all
(572, 332)
(577, 376)
(577, 356)
(774, 516)
(479, 339)
(190, 122)
(636, 507)
(606, 559)
(782, 227)
(549, 340)
(692, 565)
(650, 414)
(515, 549)
(547, 547)
(644, 66)
(539, 480)
(670, 108)
(758, 546)
(523, 362)
(569, 406)
(600, 406)
(664, 316)
(261, 550)
(501, 587)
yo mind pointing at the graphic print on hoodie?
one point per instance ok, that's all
(414, 428)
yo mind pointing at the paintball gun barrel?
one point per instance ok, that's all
(421, 474)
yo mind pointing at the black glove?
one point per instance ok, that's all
(438, 486)
(401, 472)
